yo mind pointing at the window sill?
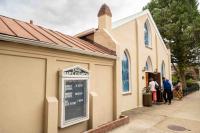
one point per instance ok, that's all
(127, 93)
(149, 47)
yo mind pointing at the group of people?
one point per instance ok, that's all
(167, 90)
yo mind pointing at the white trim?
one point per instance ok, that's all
(126, 93)
(62, 79)
(132, 17)
(76, 66)
(62, 74)
(52, 46)
(127, 19)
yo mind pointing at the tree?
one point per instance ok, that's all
(179, 24)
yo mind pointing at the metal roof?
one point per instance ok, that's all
(19, 29)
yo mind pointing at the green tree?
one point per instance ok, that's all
(179, 24)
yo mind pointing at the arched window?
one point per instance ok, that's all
(163, 69)
(125, 72)
(147, 34)
(148, 65)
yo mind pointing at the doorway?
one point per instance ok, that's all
(157, 78)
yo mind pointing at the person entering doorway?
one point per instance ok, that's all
(167, 94)
(156, 78)
(153, 86)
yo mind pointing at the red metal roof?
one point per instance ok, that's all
(17, 28)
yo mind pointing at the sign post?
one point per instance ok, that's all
(74, 98)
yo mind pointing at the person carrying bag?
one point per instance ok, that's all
(153, 86)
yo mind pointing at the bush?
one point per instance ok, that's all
(189, 82)
(146, 90)
(174, 79)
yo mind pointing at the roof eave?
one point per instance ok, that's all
(129, 18)
(52, 46)
(86, 33)
(133, 17)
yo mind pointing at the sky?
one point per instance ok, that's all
(68, 16)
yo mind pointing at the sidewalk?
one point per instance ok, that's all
(181, 116)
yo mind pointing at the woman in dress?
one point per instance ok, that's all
(152, 85)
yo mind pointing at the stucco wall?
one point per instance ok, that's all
(104, 76)
(22, 94)
(130, 36)
(126, 39)
(30, 74)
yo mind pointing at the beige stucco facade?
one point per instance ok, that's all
(29, 93)
(127, 35)
(130, 38)
(29, 82)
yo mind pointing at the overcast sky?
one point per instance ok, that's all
(67, 16)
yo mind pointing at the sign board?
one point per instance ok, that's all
(74, 98)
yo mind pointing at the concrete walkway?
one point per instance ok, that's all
(179, 117)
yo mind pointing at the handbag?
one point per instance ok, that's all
(156, 86)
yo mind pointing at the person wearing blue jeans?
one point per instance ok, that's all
(167, 94)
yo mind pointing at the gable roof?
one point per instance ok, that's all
(132, 17)
(27, 33)
(125, 20)
(86, 32)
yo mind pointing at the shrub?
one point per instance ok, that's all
(191, 87)
(174, 79)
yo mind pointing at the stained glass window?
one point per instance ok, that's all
(148, 65)
(163, 69)
(125, 73)
(146, 34)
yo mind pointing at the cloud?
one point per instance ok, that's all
(67, 16)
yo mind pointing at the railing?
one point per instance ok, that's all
(190, 89)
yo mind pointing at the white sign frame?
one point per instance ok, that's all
(62, 78)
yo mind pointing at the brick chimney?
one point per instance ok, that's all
(104, 18)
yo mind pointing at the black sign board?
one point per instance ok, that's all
(75, 99)
(74, 94)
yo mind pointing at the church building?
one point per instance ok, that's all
(141, 53)
(55, 83)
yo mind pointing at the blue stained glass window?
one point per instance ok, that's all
(146, 35)
(147, 66)
(163, 69)
(125, 73)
